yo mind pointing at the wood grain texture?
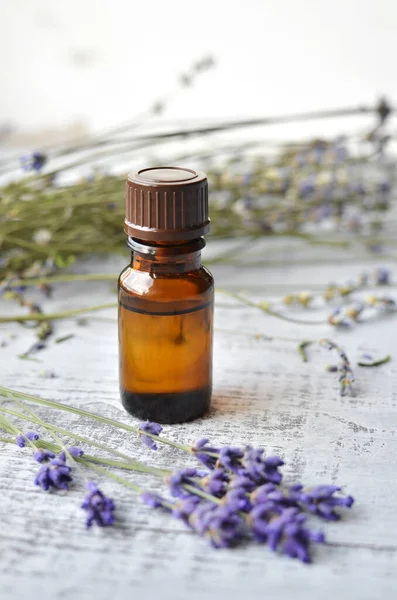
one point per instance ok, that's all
(263, 395)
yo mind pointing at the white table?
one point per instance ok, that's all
(264, 395)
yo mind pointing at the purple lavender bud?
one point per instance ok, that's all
(283, 530)
(237, 500)
(358, 188)
(307, 186)
(184, 508)
(208, 461)
(382, 276)
(288, 534)
(262, 469)
(32, 435)
(269, 492)
(148, 427)
(42, 455)
(321, 500)
(75, 451)
(180, 477)
(216, 482)
(55, 474)
(244, 482)
(384, 187)
(259, 518)
(220, 524)
(152, 500)
(99, 508)
(230, 458)
(20, 441)
(33, 162)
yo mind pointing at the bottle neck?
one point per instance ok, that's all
(166, 258)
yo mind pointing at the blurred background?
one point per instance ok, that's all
(287, 106)
(76, 67)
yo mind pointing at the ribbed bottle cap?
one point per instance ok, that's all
(166, 204)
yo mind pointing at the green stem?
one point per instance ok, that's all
(6, 392)
(52, 433)
(88, 460)
(302, 349)
(376, 363)
(266, 309)
(198, 492)
(260, 336)
(76, 436)
(60, 315)
(11, 428)
(63, 279)
(117, 478)
(136, 467)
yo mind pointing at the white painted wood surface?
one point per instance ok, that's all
(263, 395)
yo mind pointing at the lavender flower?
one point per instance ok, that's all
(42, 455)
(346, 381)
(382, 276)
(154, 429)
(259, 518)
(55, 474)
(180, 477)
(33, 162)
(283, 530)
(261, 469)
(20, 440)
(208, 461)
(216, 482)
(288, 534)
(270, 493)
(346, 377)
(220, 524)
(237, 500)
(73, 450)
(99, 508)
(244, 482)
(152, 500)
(184, 508)
(307, 186)
(321, 500)
(338, 318)
(230, 458)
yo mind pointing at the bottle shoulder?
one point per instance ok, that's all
(134, 282)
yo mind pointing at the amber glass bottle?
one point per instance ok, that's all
(166, 298)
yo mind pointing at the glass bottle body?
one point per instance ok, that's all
(165, 332)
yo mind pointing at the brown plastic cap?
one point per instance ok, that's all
(166, 204)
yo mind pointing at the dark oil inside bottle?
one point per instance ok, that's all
(165, 336)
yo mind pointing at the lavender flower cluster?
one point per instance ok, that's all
(241, 495)
(346, 376)
(55, 474)
(236, 494)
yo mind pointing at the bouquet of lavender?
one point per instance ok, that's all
(235, 494)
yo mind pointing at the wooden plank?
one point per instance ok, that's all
(264, 395)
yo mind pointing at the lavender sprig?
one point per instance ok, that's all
(55, 474)
(151, 428)
(99, 508)
(320, 500)
(181, 477)
(346, 377)
(208, 455)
